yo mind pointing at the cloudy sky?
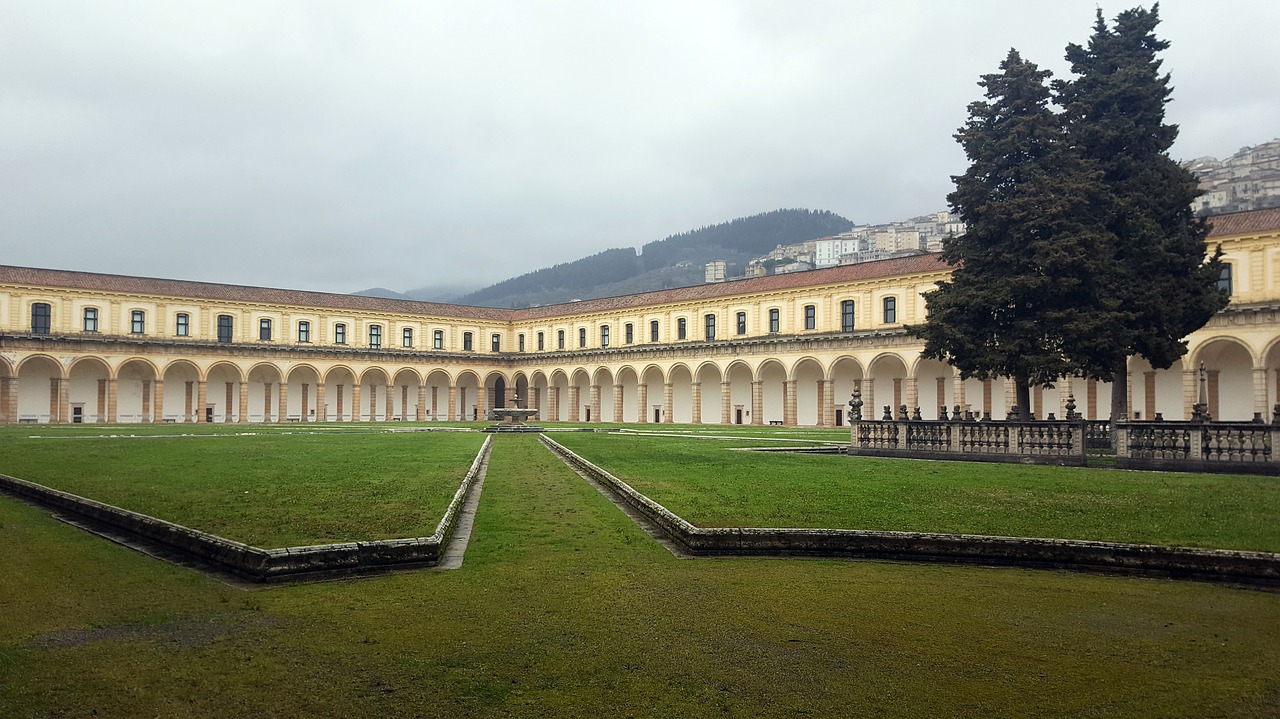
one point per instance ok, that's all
(337, 146)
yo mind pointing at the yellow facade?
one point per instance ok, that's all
(786, 349)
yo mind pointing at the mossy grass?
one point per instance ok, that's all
(565, 608)
(710, 484)
(267, 489)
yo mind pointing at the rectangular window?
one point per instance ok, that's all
(604, 336)
(495, 343)
(340, 334)
(406, 338)
(711, 327)
(41, 318)
(183, 325)
(467, 345)
(846, 316)
(890, 310)
(682, 329)
(520, 339)
(264, 329)
(560, 339)
(137, 322)
(653, 330)
(437, 340)
(630, 332)
(810, 317)
(375, 336)
(91, 319)
(742, 323)
(224, 328)
(542, 344)
(582, 336)
(775, 320)
(1224, 279)
(304, 331)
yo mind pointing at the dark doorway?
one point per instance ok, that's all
(588, 413)
(839, 417)
(737, 415)
(657, 416)
(77, 414)
(499, 393)
(208, 415)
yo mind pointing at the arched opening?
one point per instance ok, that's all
(935, 387)
(437, 400)
(1228, 380)
(39, 392)
(846, 376)
(373, 396)
(179, 396)
(740, 377)
(406, 397)
(89, 397)
(652, 395)
(468, 397)
(339, 385)
(886, 388)
(580, 397)
(772, 377)
(223, 383)
(627, 406)
(300, 398)
(712, 409)
(810, 386)
(264, 394)
(602, 397)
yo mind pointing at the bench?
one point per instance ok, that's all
(775, 422)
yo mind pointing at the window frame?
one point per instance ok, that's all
(742, 323)
(582, 337)
(560, 339)
(41, 321)
(848, 318)
(437, 339)
(542, 341)
(1226, 279)
(264, 329)
(229, 325)
(604, 335)
(495, 342)
(375, 336)
(654, 331)
(811, 317)
(89, 317)
(709, 326)
(775, 321)
(406, 337)
(629, 332)
(340, 333)
(889, 309)
(304, 331)
(468, 341)
(182, 324)
(137, 322)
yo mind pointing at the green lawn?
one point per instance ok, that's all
(565, 608)
(711, 485)
(268, 488)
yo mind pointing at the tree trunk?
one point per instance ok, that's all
(1022, 392)
(1120, 393)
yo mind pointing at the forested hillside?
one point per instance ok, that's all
(672, 262)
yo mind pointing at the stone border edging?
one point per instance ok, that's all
(1218, 565)
(261, 565)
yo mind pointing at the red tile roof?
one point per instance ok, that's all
(1241, 223)
(238, 293)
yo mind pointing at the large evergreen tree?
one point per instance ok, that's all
(1158, 285)
(1023, 291)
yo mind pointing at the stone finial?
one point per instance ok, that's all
(888, 413)
(1275, 414)
(855, 406)
(1071, 407)
(942, 413)
(902, 412)
(1014, 414)
(916, 416)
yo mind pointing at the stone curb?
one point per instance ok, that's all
(1217, 565)
(260, 565)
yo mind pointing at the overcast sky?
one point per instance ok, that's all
(339, 146)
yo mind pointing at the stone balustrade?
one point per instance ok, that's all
(1034, 442)
(1233, 447)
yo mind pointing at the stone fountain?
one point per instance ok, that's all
(512, 419)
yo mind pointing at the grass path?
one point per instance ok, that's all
(566, 608)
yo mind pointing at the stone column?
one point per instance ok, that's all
(57, 411)
(482, 402)
(1064, 390)
(535, 400)
(870, 410)
(1037, 400)
(618, 400)
(595, 403)
(1260, 393)
(827, 401)
(757, 402)
(305, 412)
(453, 403)
(1091, 399)
(726, 399)
(266, 401)
(957, 392)
(1011, 395)
(789, 412)
(435, 404)
(1149, 395)
(113, 401)
(642, 397)
(390, 412)
(1213, 395)
(421, 414)
(188, 402)
(1278, 386)
(157, 402)
(244, 401)
(100, 403)
(202, 399)
(697, 403)
(940, 400)
(913, 395)
(897, 396)
(986, 398)
(357, 412)
(373, 403)
(553, 404)
(322, 406)
(575, 403)
(228, 401)
(8, 401)
(282, 408)
(668, 403)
